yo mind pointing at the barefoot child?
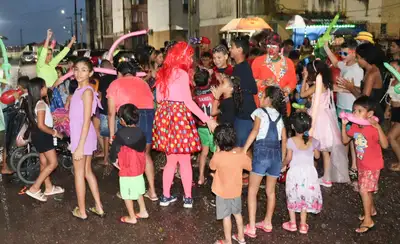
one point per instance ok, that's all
(229, 163)
(83, 138)
(303, 193)
(129, 147)
(368, 141)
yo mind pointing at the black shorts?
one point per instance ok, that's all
(395, 114)
(42, 141)
(2, 138)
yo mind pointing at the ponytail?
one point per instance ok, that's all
(237, 93)
(306, 137)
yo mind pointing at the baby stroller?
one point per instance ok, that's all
(28, 166)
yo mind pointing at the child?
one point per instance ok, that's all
(83, 138)
(228, 162)
(268, 132)
(349, 69)
(206, 60)
(368, 141)
(129, 147)
(220, 59)
(303, 192)
(232, 100)
(204, 99)
(324, 126)
(42, 133)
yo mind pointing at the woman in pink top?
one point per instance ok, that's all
(131, 89)
(174, 129)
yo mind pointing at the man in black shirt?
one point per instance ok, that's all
(243, 124)
(105, 81)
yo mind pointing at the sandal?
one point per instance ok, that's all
(367, 228)
(38, 195)
(265, 227)
(96, 212)
(361, 217)
(249, 232)
(141, 217)
(289, 226)
(123, 220)
(219, 242)
(54, 191)
(153, 199)
(395, 167)
(77, 214)
(303, 228)
(236, 238)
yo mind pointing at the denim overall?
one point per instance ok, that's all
(267, 153)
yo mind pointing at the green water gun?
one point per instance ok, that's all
(319, 47)
(396, 75)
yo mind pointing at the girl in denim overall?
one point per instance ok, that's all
(268, 132)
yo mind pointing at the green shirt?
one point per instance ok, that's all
(2, 123)
(48, 71)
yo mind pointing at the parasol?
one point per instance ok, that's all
(246, 25)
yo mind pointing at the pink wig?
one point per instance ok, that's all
(180, 56)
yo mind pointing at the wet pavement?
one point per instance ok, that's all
(24, 220)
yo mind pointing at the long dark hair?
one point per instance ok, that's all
(35, 86)
(301, 123)
(319, 67)
(278, 101)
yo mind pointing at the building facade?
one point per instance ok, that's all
(173, 19)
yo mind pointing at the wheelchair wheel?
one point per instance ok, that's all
(16, 155)
(28, 168)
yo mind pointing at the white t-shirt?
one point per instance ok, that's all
(262, 133)
(352, 72)
(40, 106)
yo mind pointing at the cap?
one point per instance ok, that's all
(365, 36)
(205, 40)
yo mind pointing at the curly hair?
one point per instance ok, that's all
(277, 97)
(180, 56)
(265, 37)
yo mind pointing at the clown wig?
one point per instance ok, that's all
(180, 56)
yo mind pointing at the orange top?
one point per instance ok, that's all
(229, 166)
(264, 72)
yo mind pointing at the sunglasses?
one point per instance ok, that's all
(272, 46)
(345, 54)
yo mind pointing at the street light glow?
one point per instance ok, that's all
(82, 19)
(62, 11)
(64, 27)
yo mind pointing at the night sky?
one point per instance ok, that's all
(34, 17)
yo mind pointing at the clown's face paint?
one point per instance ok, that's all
(273, 51)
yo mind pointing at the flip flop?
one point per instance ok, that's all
(123, 220)
(248, 233)
(38, 195)
(219, 242)
(77, 214)
(261, 225)
(236, 238)
(94, 211)
(368, 228)
(54, 191)
(140, 217)
(153, 199)
(304, 228)
(361, 217)
(289, 226)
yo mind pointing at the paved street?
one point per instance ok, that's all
(23, 220)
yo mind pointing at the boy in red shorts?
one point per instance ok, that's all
(368, 141)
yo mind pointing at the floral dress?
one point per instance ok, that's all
(302, 187)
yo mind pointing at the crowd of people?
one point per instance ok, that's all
(260, 109)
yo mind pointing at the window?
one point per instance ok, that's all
(383, 29)
(185, 4)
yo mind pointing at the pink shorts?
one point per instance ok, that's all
(368, 180)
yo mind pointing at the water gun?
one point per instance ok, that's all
(298, 106)
(396, 75)
(6, 67)
(326, 37)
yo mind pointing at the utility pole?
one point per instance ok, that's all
(76, 21)
(20, 36)
(81, 29)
